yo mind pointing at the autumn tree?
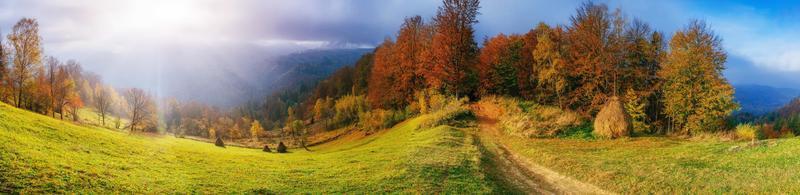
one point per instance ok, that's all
(498, 64)
(552, 76)
(141, 107)
(454, 49)
(383, 76)
(26, 43)
(102, 102)
(696, 95)
(255, 130)
(64, 94)
(4, 72)
(413, 50)
(297, 130)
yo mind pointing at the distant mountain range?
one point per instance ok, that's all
(231, 85)
(306, 67)
(760, 99)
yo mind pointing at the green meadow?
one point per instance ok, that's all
(43, 155)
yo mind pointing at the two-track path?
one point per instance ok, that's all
(518, 171)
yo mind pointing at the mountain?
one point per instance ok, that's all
(231, 84)
(761, 99)
(306, 67)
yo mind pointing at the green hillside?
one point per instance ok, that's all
(41, 154)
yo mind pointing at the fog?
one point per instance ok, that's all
(207, 49)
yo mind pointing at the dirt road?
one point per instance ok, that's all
(518, 171)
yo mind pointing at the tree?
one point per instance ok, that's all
(383, 76)
(549, 60)
(498, 65)
(4, 73)
(141, 108)
(64, 94)
(413, 55)
(696, 95)
(102, 102)
(593, 65)
(298, 132)
(26, 43)
(454, 49)
(255, 130)
(319, 110)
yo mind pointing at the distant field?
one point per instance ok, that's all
(39, 154)
(662, 165)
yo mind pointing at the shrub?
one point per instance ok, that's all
(348, 108)
(583, 131)
(446, 111)
(378, 119)
(612, 121)
(748, 131)
(527, 119)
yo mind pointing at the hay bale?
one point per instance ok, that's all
(612, 121)
(219, 142)
(281, 148)
(266, 148)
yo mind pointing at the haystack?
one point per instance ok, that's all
(266, 148)
(612, 121)
(281, 148)
(219, 142)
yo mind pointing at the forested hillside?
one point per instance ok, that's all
(759, 99)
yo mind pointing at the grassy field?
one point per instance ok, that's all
(41, 154)
(663, 165)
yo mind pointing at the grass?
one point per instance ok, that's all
(90, 117)
(39, 154)
(662, 165)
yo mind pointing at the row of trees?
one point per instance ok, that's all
(47, 85)
(579, 66)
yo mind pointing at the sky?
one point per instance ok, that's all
(184, 44)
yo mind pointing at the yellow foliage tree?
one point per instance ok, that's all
(255, 130)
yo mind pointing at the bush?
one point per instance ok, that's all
(612, 121)
(380, 119)
(446, 111)
(348, 108)
(748, 131)
(527, 119)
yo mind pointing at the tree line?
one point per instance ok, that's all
(47, 85)
(668, 86)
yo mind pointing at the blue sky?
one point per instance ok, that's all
(190, 40)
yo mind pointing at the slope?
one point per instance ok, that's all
(39, 155)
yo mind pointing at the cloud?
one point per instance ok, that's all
(161, 45)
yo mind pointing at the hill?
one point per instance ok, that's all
(43, 155)
(232, 84)
(306, 67)
(760, 99)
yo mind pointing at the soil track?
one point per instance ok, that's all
(518, 171)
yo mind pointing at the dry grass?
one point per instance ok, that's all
(524, 119)
(612, 121)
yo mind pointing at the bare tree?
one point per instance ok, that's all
(26, 42)
(52, 65)
(4, 52)
(138, 103)
(102, 102)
